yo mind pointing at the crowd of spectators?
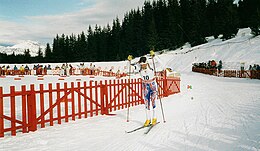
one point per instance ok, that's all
(213, 68)
(211, 64)
(255, 67)
(7, 70)
(62, 70)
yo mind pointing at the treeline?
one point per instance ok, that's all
(162, 24)
(22, 58)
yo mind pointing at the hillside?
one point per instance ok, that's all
(244, 48)
(22, 46)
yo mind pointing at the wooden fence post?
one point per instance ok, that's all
(165, 94)
(58, 104)
(1, 113)
(42, 105)
(102, 98)
(73, 101)
(13, 119)
(85, 100)
(66, 102)
(32, 109)
(96, 96)
(91, 96)
(50, 103)
(79, 101)
(24, 113)
(106, 98)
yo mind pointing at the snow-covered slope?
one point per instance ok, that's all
(22, 46)
(244, 48)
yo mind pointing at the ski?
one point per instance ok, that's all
(141, 127)
(136, 129)
(150, 127)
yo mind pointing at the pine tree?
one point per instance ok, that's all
(228, 18)
(91, 47)
(127, 34)
(211, 16)
(40, 54)
(149, 28)
(56, 49)
(175, 33)
(253, 16)
(48, 53)
(196, 34)
(115, 36)
(186, 19)
(67, 50)
(152, 36)
(83, 48)
(39, 57)
(27, 56)
(73, 51)
(162, 24)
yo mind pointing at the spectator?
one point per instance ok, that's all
(91, 67)
(26, 69)
(45, 70)
(57, 68)
(15, 67)
(219, 65)
(213, 64)
(258, 67)
(3, 70)
(250, 67)
(67, 72)
(82, 68)
(63, 68)
(39, 69)
(22, 70)
(71, 70)
(242, 67)
(49, 67)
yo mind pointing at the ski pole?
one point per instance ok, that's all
(130, 57)
(152, 55)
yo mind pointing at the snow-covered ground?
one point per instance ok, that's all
(216, 114)
(224, 114)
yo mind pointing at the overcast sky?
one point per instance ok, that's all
(41, 20)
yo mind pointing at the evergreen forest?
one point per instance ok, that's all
(158, 25)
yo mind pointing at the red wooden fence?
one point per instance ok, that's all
(28, 109)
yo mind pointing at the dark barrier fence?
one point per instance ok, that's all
(252, 74)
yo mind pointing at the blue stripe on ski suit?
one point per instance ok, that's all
(149, 93)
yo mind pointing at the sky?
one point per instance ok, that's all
(42, 20)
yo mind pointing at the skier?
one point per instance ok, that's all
(149, 90)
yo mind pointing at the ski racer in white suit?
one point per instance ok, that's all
(149, 90)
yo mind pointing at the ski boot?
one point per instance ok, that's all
(154, 121)
(147, 123)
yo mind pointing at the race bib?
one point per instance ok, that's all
(147, 74)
